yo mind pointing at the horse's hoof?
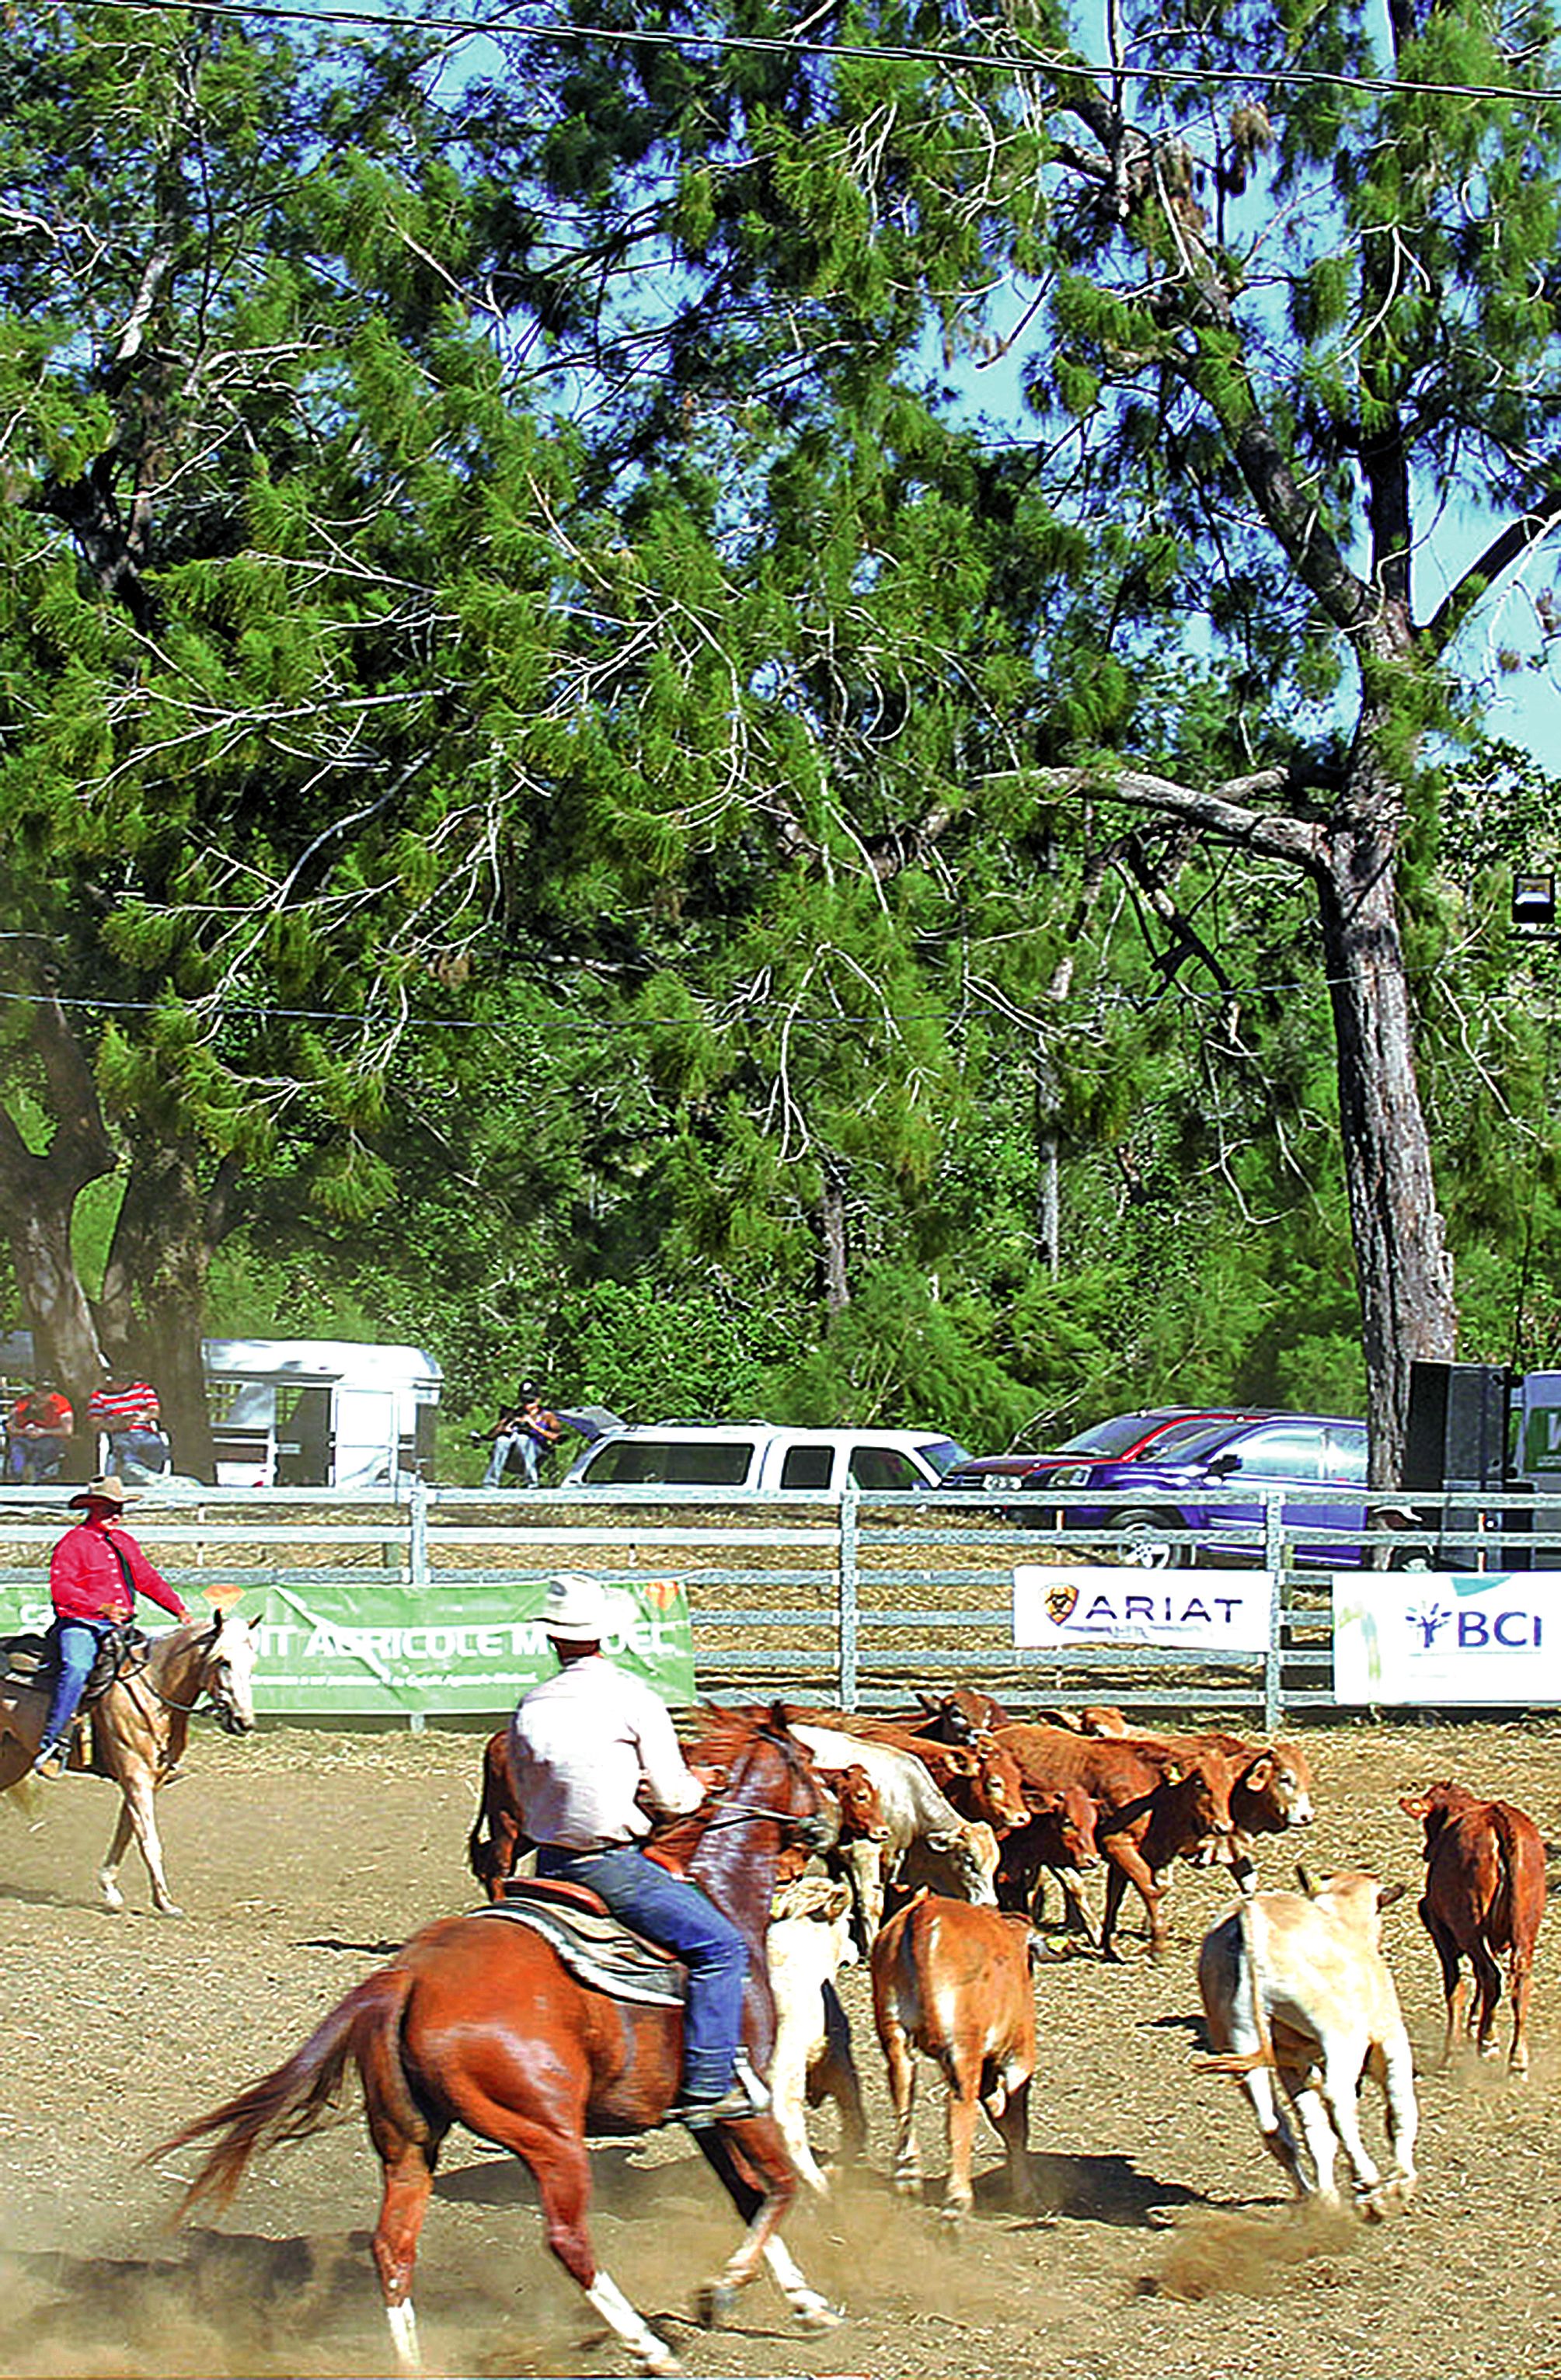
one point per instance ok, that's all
(659, 2363)
(167, 1909)
(714, 2304)
(822, 2316)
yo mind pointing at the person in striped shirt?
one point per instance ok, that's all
(127, 1413)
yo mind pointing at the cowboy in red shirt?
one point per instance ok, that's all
(96, 1574)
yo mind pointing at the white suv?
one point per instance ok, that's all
(761, 1455)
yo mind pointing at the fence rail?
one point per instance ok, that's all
(856, 1598)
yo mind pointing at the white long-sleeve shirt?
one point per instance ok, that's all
(579, 1745)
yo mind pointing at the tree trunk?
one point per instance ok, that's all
(1405, 1273)
(37, 1194)
(154, 1306)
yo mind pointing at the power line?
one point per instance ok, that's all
(827, 1020)
(795, 46)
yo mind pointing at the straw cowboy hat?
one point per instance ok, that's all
(101, 1491)
(576, 1609)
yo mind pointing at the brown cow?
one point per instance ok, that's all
(951, 1717)
(952, 1981)
(1270, 1791)
(1484, 1893)
(1152, 1806)
(1058, 1839)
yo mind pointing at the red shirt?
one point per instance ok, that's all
(51, 1416)
(87, 1583)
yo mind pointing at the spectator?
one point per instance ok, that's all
(38, 1430)
(127, 1411)
(522, 1433)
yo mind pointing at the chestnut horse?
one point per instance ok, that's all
(140, 1727)
(478, 2021)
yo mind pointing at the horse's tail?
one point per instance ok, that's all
(300, 2095)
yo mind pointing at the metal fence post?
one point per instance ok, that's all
(851, 1496)
(417, 1533)
(1273, 1555)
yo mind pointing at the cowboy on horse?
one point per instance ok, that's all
(584, 1747)
(95, 1575)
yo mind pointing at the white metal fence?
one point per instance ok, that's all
(857, 1599)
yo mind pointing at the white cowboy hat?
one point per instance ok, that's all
(576, 1609)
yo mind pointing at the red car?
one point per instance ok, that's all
(1122, 1439)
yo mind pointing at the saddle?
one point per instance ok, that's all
(592, 1942)
(28, 1660)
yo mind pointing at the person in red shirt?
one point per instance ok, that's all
(37, 1429)
(94, 1577)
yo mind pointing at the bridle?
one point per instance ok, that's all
(227, 1718)
(729, 1814)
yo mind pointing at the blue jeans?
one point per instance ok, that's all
(35, 1462)
(671, 1909)
(77, 1640)
(138, 1450)
(516, 1441)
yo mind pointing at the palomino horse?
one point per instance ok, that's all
(479, 2022)
(140, 1726)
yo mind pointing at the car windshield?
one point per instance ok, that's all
(1185, 1434)
(1116, 1436)
(943, 1454)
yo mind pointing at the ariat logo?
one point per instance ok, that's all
(1061, 1601)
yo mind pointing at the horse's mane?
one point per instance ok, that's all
(710, 1733)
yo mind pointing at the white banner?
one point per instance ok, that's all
(1413, 1637)
(1224, 1611)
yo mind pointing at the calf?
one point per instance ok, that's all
(809, 1940)
(1151, 1806)
(1299, 1987)
(978, 1776)
(925, 1870)
(1058, 1839)
(1485, 1894)
(862, 1830)
(1270, 1787)
(953, 1981)
(950, 1718)
(912, 1807)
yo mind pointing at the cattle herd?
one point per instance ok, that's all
(955, 1822)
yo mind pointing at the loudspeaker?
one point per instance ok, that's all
(1457, 1427)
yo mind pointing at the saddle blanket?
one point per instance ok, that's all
(593, 1944)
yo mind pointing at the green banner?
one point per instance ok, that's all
(358, 1649)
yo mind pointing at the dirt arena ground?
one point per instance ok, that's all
(1167, 2244)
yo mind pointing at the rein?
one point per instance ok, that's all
(726, 1814)
(140, 1677)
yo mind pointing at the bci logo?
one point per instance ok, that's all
(1473, 1630)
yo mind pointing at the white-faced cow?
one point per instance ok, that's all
(1296, 1986)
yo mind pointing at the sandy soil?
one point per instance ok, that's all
(1168, 2244)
